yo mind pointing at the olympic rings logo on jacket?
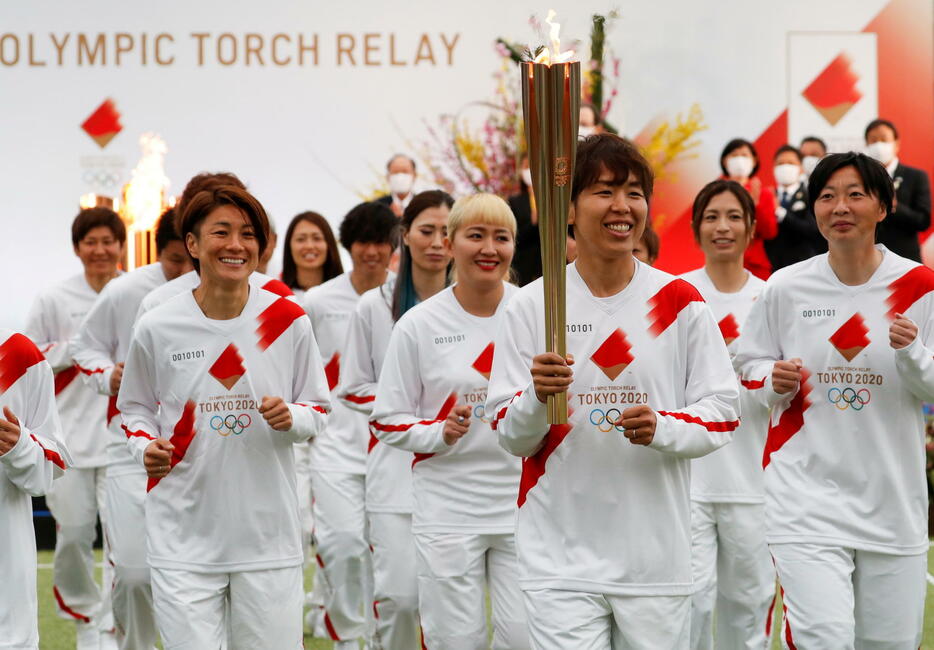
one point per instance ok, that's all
(844, 398)
(231, 424)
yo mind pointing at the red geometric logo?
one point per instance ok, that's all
(332, 371)
(729, 328)
(613, 355)
(103, 124)
(851, 338)
(484, 363)
(229, 367)
(833, 92)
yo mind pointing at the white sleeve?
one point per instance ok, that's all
(138, 400)
(759, 349)
(41, 329)
(310, 402)
(520, 419)
(394, 419)
(357, 389)
(94, 344)
(39, 456)
(711, 393)
(915, 361)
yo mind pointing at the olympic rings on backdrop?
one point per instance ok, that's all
(849, 397)
(235, 424)
(601, 419)
(100, 177)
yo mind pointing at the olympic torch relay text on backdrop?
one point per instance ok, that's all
(247, 49)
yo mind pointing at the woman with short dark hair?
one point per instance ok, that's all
(844, 343)
(220, 382)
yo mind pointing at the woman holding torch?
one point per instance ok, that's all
(430, 400)
(219, 383)
(603, 531)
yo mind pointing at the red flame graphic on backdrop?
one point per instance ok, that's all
(103, 124)
(833, 93)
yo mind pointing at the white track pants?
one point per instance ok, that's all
(249, 610)
(560, 620)
(454, 570)
(395, 586)
(303, 486)
(134, 618)
(343, 554)
(75, 500)
(842, 599)
(733, 573)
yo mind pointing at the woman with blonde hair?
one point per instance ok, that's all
(430, 400)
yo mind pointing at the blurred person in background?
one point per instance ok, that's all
(527, 262)
(400, 174)
(798, 237)
(309, 256)
(739, 162)
(911, 213)
(648, 247)
(77, 499)
(812, 150)
(591, 122)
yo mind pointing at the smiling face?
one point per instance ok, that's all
(225, 246)
(724, 232)
(482, 253)
(99, 251)
(425, 239)
(609, 218)
(309, 247)
(846, 213)
(370, 259)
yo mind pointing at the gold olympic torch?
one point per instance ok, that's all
(551, 95)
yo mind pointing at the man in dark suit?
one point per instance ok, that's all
(400, 174)
(527, 261)
(911, 213)
(798, 237)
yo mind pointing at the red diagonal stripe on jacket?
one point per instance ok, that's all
(668, 303)
(64, 378)
(790, 421)
(908, 289)
(52, 456)
(724, 426)
(275, 320)
(17, 355)
(182, 436)
(533, 467)
(443, 413)
(279, 288)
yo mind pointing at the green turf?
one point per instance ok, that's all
(58, 634)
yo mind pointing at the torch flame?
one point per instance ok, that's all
(144, 194)
(554, 55)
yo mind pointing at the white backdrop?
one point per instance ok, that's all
(305, 137)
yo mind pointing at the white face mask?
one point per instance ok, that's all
(739, 166)
(401, 183)
(787, 174)
(585, 131)
(884, 152)
(809, 163)
(527, 177)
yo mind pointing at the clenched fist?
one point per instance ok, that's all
(902, 332)
(9, 431)
(158, 458)
(786, 375)
(456, 424)
(639, 423)
(276, 413)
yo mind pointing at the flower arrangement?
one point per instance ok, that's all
(479, 147)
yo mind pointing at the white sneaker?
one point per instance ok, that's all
(88, 636)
